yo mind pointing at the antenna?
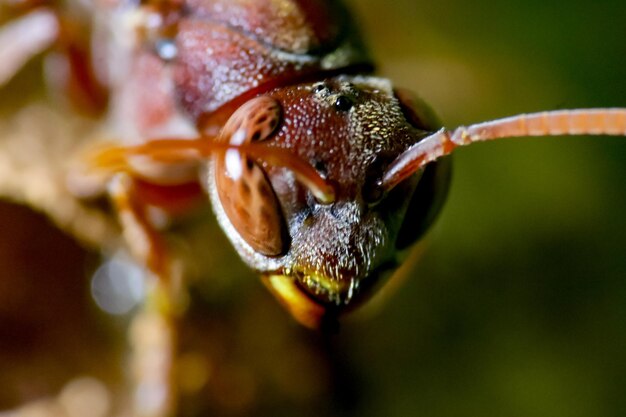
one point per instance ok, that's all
(610, 121)
(173, 151)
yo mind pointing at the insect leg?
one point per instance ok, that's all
(153, 331)
(24, 38)
(145, 243)
(70, 69)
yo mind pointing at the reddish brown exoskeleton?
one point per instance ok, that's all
(318, 172)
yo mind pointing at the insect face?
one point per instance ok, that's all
(321, 258)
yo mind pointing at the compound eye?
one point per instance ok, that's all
(243, 187)
(431, 189)
(416, 111)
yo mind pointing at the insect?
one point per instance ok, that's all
(368, 145)
(278, 150)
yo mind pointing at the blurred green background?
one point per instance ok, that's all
(518, 307)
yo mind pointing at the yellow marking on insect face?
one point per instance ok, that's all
(306, 311)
